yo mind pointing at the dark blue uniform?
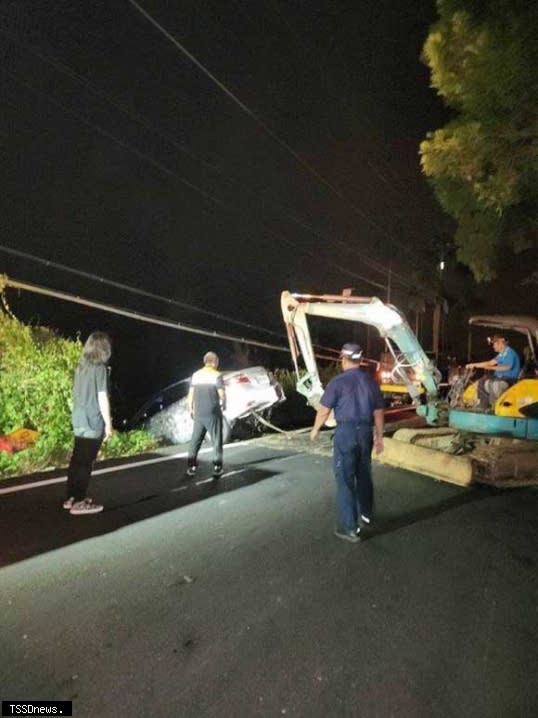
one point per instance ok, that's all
(354, 396)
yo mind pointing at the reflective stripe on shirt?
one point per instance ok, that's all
(205, 384)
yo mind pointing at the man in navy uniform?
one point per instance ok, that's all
(206, 402)
(358, 409)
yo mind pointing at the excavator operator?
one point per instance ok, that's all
(505, 367)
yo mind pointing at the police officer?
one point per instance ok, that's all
(358, 409)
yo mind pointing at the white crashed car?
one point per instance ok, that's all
(247, 390)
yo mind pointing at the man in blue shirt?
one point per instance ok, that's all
(505, 366)
(358, 409)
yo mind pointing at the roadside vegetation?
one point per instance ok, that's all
(36, 372)
(287, 377)
(483, 164)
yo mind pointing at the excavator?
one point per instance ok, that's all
(458, 443)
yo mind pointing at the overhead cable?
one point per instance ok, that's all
(260, 122)
(8, 282)
(125, 145)
(132, 314)
(328, 85)
(145, 123)
(133, 290)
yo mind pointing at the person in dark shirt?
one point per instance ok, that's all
(91, 421)
(358, 409)
(206, 401)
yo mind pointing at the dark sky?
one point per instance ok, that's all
(123, 159)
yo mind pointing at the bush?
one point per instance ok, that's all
(127, 443)
(36, 375)
(36, 370)
(288, 379)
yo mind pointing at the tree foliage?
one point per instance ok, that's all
(483, 164)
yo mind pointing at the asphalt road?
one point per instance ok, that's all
(234, 599)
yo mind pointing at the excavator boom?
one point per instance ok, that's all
(389, 322)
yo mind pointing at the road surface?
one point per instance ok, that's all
(202, 599)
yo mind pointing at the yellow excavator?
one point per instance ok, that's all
(459, 443)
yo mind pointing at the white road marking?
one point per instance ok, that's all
(110, 469)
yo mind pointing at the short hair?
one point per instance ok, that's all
(97, 349)
(498, 338)
(211, 358)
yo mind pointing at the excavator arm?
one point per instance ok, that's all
(471, 448)
(411, 363)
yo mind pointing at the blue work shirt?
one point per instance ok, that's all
(354, 396)
(510, 358)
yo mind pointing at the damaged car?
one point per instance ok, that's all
(250, 392)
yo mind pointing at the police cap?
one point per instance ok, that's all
(351, 351)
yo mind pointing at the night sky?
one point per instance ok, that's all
(123, 159)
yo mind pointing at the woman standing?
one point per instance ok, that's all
(91, 421)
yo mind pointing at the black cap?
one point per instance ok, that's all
(351, 351)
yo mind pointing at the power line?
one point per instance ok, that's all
(131, 314)
(170, 172)
(326, 81)
(7, 282)
(115, 139)
(142, 120)
(133, 290)
(140, 292)
(261, 123)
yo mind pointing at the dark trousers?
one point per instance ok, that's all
(213, 426)
(352, 446)
(80, 466)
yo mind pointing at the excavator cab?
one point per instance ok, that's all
(515, 412)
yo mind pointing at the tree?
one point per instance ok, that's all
(483, 165)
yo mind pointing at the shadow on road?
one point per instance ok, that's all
(389, 524)
(33, 522)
